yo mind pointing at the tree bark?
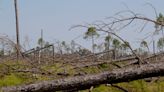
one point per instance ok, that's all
(85, 82)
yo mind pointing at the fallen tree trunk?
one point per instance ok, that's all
(132, 60)
(84, 82)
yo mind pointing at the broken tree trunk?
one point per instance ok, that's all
(84, 82)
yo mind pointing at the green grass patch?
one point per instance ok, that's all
(10, 80)
(59, 68)
(91, 70)
(105, 67)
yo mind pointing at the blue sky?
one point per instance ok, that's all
(55, 17)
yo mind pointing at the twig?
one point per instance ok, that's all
(118, 87)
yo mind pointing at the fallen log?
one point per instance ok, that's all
(132, 60)
(85, 82)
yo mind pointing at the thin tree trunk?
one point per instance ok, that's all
(17, 29)
(85, 82)
(153, 46)
(93, 48)
(108, 54)
(108, 44)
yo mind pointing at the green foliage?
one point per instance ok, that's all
(65, 46)
(141, 86)
(91, 32)
(53, 68)
(2, 52)
(160, 20)
(105, 67)
(10, 80)
(59, 68)
(14, 78)
(125, 45)
(134, 86)
(108, 38)
(160, 44)
(63, 43)
(103, 88)
(40, 42)
(116, 43)
(91, 70)
(144, 44)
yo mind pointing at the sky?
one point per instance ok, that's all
(56, 17)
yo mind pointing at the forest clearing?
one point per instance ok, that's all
(111, 64)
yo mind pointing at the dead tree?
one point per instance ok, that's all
(17, 29)
(85, 82)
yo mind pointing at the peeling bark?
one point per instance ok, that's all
(85, 82)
